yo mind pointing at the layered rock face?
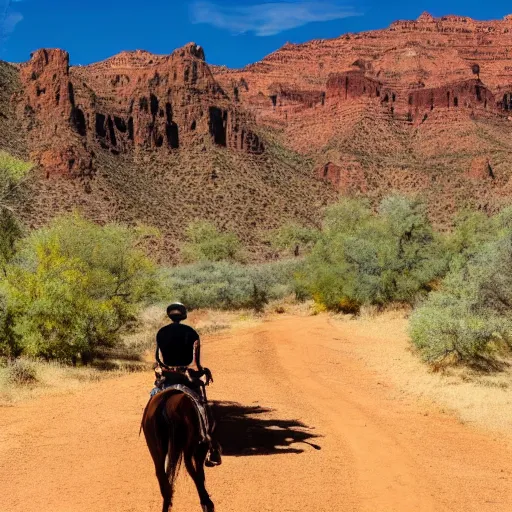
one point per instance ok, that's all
(413, 108)
(136, 102)
(407, 70)
(130, 103)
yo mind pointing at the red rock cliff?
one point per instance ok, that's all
(132, 102)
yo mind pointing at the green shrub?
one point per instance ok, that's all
(204, 242)
(470, 318)
(364, 258)
(10, 345)
(73, 286)
(12, 172)
(224, 285)
(10, 233)
(293, 238)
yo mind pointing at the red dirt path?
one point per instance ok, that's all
(81, 452)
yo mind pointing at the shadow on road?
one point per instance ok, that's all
(242, 431)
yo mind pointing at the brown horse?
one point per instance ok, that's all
(173, 433)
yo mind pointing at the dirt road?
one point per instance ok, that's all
(283, 386)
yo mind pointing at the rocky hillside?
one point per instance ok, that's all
(422, 106)
(152, 139)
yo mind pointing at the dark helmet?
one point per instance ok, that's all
(177, 311)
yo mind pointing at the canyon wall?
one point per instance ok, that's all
(423, 106)
(130, 103)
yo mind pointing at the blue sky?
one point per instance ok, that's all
(233, 32)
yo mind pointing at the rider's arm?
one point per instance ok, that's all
(197, 360)
(197, 354)
(157, 356)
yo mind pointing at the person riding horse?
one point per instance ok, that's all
(178, 349)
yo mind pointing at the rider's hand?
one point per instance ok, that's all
(208, 375)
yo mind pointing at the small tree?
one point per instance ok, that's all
(74, 285)
(204, 242)
(418, 257)
(364, 258)
(12, 174)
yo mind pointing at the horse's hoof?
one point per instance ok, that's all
(208, 508)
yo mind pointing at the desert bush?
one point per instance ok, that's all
(73, 286)
(20, 372)
(12, 173)
(365, 258)
(204, 242)
(10, 233)
(10, 345)
(293, 238)
(470, 318)
(225, 285)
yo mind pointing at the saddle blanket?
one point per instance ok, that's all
(198, 403)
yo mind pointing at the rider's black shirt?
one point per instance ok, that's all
(176, 343)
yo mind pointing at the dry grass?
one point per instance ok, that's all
(476, 398)
(54, 377)
(289, 306)
(32, 378)
(48, 378)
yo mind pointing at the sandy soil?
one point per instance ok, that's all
(309, 423)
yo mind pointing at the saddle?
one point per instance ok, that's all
(186, 381)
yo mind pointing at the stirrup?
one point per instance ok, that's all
(210, 463)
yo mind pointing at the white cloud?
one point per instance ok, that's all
(267, 19)
(9, 23)
(8, 18)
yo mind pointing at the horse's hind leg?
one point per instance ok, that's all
(165, 488)
(158, 450)
(195, 469)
